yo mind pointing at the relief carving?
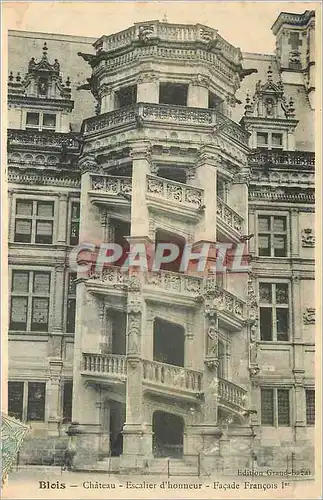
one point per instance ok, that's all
(308, 238)
(309, 316)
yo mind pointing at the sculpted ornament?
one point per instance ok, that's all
(133, 333)
(308, 238)
(309, 316)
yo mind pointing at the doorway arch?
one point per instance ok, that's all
(168, 434)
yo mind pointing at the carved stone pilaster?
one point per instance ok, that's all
(147, 77)
(134, 319)
(88, 163)
(212, 341)
(200, 81)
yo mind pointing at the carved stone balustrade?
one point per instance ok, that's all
(227, 215)
(170, 116)
(174, 192)
(231, 395)
(304, 159)
(171, 376)
(225, 303)
(111, 184)
(152, 30)
(111, 365)
(32, 139)
(175, 282)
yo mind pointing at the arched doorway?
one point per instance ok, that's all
(168, 435)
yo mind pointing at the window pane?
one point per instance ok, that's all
(49, 120)
(282, 293)
(283, 406)
(277, 140)
(18, 316)
(67, 401)
(41, 283)
(72, 284)
(20, 281)
(263, 224)
(39, 320)
(15, 399)
(36, 401)
(32, 119)
(264, 246)
(280, 246)
(265, 295)
(262, 139)
(23, 231)
(282, 324)
(266, 324)
(44, 232)
(279, 224)
(45, 209)
(310, 407)
(71, 305)
(24, 207)
(267, 407)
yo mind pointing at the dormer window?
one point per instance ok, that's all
(40, 121)
(269, 140)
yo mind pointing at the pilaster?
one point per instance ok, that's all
(206, 178)
(62, 219)
(198, 92)
(140, 154)
(148, 88)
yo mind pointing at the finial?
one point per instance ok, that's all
(45, 48)
(270, 74)
(68, 82)
(18, 77)
(165, 20)
(10, 78)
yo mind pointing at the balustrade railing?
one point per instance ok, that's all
(224, 300)
(45, 139)
(110, 184)
(111, 364)
(177, 282)
(174, 191)
(228, 215)
(172, 376)
(166, 113)
(232, 393)
(169, 32)
(283, 158)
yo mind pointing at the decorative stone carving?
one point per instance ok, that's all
(201, 81)
(89, 163)
(309, 316)
(148, 77)
(133, 332)
(308, 238)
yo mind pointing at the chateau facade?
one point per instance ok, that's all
(163, 133)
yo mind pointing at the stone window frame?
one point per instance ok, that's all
(307, 410)
(24, 410)
(273, 281)
(269, 144)
(40, 127)
(69, 295)
(272, 214)
(71, 220)
(31, 270)
(275, 408)
(35, 198)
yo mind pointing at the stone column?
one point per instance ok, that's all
(53, 395)
(148, 88)
(210, 430)
(137, 436)
(90, 227)
(62, 219)
(140, 155)
(198, 92)
(107, 98)
(294, 233)
(206, 178)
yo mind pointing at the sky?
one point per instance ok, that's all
(244, 24)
